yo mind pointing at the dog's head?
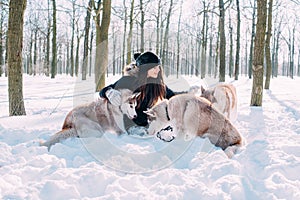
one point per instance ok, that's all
(158, 117)
(208, 94)
(128, 103)
(131, 70)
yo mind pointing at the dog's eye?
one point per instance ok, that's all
(131, 104)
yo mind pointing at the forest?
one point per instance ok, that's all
(226, 38)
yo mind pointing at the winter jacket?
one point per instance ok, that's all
(130, 82)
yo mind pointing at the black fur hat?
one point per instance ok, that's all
(146, 61)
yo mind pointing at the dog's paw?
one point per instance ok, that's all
(166, 134)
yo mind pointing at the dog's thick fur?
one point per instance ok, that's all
(223, 97)
(93, 119)
(192, 116)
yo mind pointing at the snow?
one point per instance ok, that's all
(127, 167)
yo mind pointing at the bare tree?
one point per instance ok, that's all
(86, 40)
(91, 50)
(178, 42)
(129, 37)
(237, 54)
(158, 21)
(79, 35)
(252, 40)
(230, 48)
(15, 39)
(165, 41)
(48, 34)
(2, 47)
(73, 23)
(222, 61)
(267, 47)
(258, 68)
(54, 52)
(101, 57)
(142, 24)
(204, 40)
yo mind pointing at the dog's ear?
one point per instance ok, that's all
(202, 89)
(150, 113)
(135, 95)
(214, 100)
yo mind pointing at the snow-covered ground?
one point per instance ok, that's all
(128, 167)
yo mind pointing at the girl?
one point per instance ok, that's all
(148, 80)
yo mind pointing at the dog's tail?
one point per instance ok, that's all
(59, 136)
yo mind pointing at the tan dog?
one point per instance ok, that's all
(93, 119)
(190, 116)
(223, 97)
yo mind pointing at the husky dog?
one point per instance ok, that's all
(223, 97)
(93, 119)
(190, 116)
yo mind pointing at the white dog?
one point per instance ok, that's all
(93, 119)
(223, 97)
(189, 116)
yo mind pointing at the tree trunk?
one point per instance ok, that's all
(1, 36)
(29, 69)
(77, 53)
(204, 43)
(124, 34)
(237, 55)
(292, 53)
(142, 24)
(252, 41)
(165, 41)
(217, 54)
(178, 43)
(258, 62)
(267, 47)
(86, 41)
(210, 58)
(91, 51)
(15, 39)
(231, 49)
(102, 45)
(54, 52)
(47, 56)
(35, 51)
(157, 26)
(222, 65)
(72, 40)
(129, 38)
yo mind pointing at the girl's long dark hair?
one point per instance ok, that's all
(152, 89)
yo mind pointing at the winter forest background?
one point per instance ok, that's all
(202, 38)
